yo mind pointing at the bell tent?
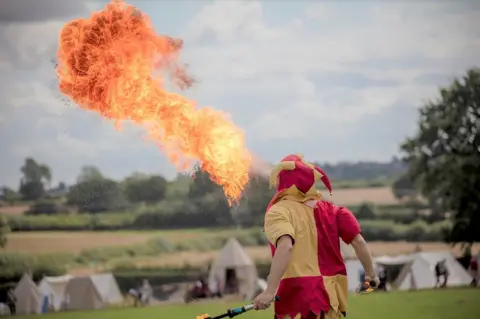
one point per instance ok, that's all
(29, 297)
(234, 269)
(54, 289)
(82, 294)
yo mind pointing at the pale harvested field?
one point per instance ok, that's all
(52, 242)
(355, 196)
(261, 253)
(13, 210)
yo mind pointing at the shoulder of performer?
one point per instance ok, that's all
(348, 225)
(278, 223)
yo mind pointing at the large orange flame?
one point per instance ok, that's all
(106, 63)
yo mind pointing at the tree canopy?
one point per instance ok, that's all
(35, 177)
(4, 230)
(444, 155)
(145, 189)
(94, 193)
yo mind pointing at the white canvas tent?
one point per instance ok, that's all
(232, 258)
(29, 297)
(108, 288)
(54, 289)
(419, 272)
(354, 267)
(82, 294)
(394, 260)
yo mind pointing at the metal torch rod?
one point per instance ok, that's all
(238, 311)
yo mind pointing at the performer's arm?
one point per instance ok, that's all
(280, 263)
(279, 232)
(349, 229)
(363, 254)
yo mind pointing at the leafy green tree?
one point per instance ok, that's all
(4, 230)
(403, 187)
(208, 200)
(9, 195)
(33, 171)
(179, 188)
(253, 204)
(32, 190)
(94, 193)
(202, 184)
(366, 211)
(89, 173)
(444, 155)
(145, 189)
(35, 178)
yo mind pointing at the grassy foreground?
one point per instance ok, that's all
(434, 304)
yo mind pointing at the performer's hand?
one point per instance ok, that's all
(373, 280)
(263, 300)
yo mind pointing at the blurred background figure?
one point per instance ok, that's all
(135, 294)
(215, 287)
(382, 275)
(441, 271)
(11, 301)
(473, 270)
(146, 292)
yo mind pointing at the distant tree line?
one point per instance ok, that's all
(364, 170)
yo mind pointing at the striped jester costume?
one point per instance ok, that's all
(315, 283)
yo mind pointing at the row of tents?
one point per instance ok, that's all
(413, 271)
(66, 293)
(407, 272)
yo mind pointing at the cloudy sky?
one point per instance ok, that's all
(335, 80)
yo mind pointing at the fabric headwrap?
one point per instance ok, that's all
(295, 177)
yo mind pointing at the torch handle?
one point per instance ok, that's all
(238, 311)
(367, 287)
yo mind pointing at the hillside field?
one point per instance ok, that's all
(53, 242)
(355, 196)
(433, 304)
(58, 242)
(13, 210)
(341, 196)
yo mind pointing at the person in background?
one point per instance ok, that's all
(473, 270)
(146, 292)
(441, 271)
(382, 275)
(361, 275)
(205, 288)
(214, 287)
(135, 295)
(11, 302)
(198, 290)
(308, 272)
(51, 303)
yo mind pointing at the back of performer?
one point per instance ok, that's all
(308, 272)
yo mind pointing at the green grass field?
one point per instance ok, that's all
(438, 304)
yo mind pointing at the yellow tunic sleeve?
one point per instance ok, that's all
(277, 224)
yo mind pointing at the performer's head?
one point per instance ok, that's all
(293, 173)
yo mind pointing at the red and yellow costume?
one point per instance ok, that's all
(315, 283)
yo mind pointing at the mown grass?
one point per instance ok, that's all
(433, 304)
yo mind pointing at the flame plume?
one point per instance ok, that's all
(106, 64)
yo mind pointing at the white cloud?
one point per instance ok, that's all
(292, 76)
(28, 45)
(281, 59)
